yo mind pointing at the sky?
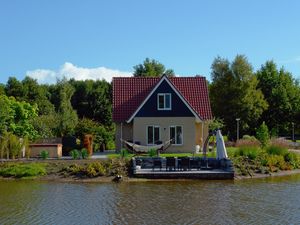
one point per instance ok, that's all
(95, 39)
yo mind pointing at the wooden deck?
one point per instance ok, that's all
(187, 174)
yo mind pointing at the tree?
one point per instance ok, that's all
(14, 88)
(262, 134)
(234, 94)
(16, 117)
(68, 116)
(2, 89)
(282, 93)
(151, 68)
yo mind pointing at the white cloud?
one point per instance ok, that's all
(293, 60)
(69, 70)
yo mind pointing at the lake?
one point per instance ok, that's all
(257, 201)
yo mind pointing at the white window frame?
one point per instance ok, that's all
(175, 126)
(159, 134)
(164, 95)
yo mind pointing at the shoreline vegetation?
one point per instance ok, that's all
(119, 169)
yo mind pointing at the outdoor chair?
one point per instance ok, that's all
(170, 163)
(195, 163)
(184, 163)
(157, 163)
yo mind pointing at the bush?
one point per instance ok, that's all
(124, 153)
(275, 162)
(248, 151)
(293, 159)
(276, 150)
(75, 169)
(44, 154)
(253, 142)
(23, 170)
(75, 154)
(84, 153)
(152, 152)
(262, 134)
(280, 142)
(119, 167)
(95, 169)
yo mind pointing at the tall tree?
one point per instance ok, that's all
(68, 116)
(151, 68)
(15, 88)
(234, 94)
(282, 93)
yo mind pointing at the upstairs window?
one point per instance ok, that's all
(164, 101)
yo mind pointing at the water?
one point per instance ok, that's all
(257, 201)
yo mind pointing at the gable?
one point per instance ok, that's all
(178, 107)
(129, 94)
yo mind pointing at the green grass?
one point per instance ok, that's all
(21, 170)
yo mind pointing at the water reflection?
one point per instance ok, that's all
(256, 201)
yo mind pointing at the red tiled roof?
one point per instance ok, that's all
(130, 92)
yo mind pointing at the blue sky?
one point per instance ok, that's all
(94, 39)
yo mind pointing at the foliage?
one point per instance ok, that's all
(124, 153)
(84, 153)
(111, 167)
(75, 154)
(280, 142)
(16, 117)
(262, 134)
(68, 117)
(151, 68)
(102, 135)
(22, 170)
(95, 169)
(234, 94)
(282, 93)
(253, 142)
(248, 151)
(276, 150)
(47, 126)
(93, 100)
(44, 154)
(152, 152)
(11, 146)
(216, 123)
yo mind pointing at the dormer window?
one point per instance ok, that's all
(164, 101)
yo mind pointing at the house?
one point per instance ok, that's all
(151, 109)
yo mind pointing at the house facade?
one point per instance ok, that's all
(152, 110)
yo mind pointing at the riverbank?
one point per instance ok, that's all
(92, 171)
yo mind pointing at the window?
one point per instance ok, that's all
(164, 101)
(152, 135)
(176, 135)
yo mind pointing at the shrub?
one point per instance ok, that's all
(280, 142)
(44, 154)
(293, 159)
(262, 134)
(253, 142)
(276, 150)
(95, 169)
(275, 162)
(119, 167)
(84, 153)
(23, 170)
(75, 169)
(75, 154)
(249, 151)
(152, 152)
(124, 153)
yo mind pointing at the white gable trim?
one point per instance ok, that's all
(175, 90)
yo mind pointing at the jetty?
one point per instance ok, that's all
(182, 168)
